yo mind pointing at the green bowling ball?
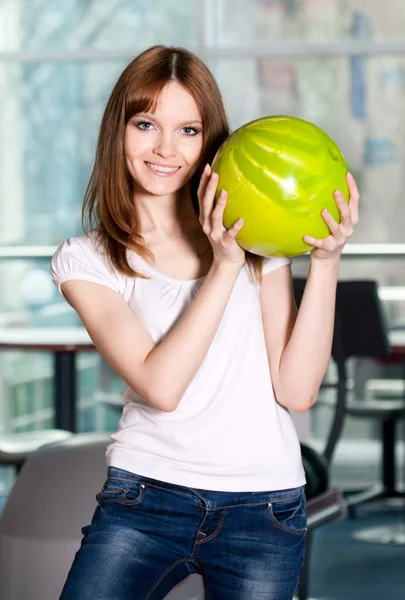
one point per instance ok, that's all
(280, 172)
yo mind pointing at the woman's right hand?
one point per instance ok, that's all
(225, 248)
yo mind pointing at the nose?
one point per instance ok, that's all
(165, 146)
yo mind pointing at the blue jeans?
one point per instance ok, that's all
(146, 536)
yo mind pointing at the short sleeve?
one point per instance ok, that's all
(77, 259)
(270, 264)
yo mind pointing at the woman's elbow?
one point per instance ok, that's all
(297, 402)
(163, 403)
(164, 400)
(303, 407)
(306, 402)
(156, 397)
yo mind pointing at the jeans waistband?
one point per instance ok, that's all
(212, 498)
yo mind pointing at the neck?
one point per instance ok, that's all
(165, 215)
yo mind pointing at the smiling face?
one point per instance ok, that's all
(163, 148)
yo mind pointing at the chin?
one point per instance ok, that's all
(163, 188)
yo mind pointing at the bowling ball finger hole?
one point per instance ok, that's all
(334, 154)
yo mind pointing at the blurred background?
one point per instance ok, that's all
(337, 63)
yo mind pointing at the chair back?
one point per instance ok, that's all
(359, 330)
(40, 527)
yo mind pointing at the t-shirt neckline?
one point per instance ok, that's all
(166, 277)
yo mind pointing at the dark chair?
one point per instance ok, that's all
(360, 331)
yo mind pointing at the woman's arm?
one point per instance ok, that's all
(299, 344)
(159, 373)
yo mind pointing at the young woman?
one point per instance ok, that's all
(204, 473)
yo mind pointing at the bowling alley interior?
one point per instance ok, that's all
(314, 119)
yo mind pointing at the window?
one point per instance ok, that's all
(338, 63)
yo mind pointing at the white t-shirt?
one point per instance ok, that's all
(228, 432)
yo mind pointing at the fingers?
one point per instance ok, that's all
(206, 198)
(233, 231)
(211, 218)
(354, 198)
(321, 244)
(339, 232)
(349, 215)
(218, 212)
(218, 219)
(346, 228)
(333, 226)
(204, 181)
(345, 212)
(202, 188)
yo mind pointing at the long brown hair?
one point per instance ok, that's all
(108, 204)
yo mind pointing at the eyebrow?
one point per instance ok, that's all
(151, 116)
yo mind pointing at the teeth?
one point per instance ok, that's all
(162, 169)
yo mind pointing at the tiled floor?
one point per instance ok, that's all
(345, 568)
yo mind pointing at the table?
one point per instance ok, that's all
(64, 344)
(397, 341)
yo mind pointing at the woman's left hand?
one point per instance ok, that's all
(331, 247)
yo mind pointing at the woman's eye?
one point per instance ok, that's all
(190, 131)
(145, 125)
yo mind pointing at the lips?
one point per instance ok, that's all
(162, 170)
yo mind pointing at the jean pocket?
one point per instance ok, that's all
(289, 514)
(121, 492)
